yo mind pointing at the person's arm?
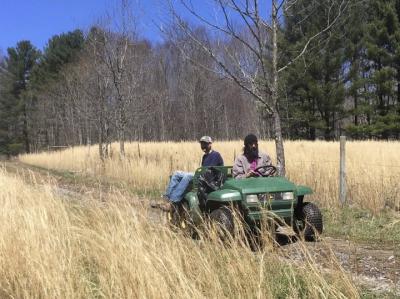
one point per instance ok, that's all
(238, 171)
(220, 160)
(267, 161)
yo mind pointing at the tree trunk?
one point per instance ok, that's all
(226, 123)
(121, 129)
(398, 91)
(327, 126)
(355, 109)
(101, 152)
(25, 131)
(162, 120)
(312, 133)
(122, 144)
(280, 152)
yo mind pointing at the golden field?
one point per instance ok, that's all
(52, 247)
(373, 167)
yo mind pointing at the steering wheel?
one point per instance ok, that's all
(267, 169)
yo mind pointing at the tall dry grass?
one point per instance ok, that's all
(56, 248)
(373, 167)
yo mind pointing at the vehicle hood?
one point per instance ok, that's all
(260, 185)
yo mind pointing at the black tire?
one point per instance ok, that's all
(179, 218)
(222, 217)
(312, 219)
(173, 217)
(186, 223)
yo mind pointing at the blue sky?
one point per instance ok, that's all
(39, 20)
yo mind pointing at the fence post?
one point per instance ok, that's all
(342, 171)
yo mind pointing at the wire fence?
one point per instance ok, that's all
(337, 162)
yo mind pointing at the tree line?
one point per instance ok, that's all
(110, 84)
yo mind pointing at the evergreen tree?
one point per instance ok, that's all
(355, 65)
(15, 101)
(5, 109)
(382, 52)
(60, 50)
(375, 77)
(314, 85)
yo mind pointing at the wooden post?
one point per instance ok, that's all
(171, 164)
(342, 172)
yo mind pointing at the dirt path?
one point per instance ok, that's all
(373, 267)
(68, 183)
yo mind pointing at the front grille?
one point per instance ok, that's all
(265, 197)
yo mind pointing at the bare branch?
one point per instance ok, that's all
(224, 67)
(230, 31)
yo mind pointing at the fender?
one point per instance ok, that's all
(303, 190)
(194, 209)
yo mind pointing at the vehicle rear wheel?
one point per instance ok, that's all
(311, 217)
(222, 217)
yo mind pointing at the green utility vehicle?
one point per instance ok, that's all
(217, 196)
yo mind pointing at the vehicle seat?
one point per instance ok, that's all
(210, 180)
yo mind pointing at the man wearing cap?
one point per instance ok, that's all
(180, 180)
(210, 157)
(246, 164)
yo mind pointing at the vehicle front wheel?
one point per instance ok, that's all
(179, 218)
(222, 218)
(173, 215)
(311, 217)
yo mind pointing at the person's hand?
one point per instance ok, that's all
(251, 173)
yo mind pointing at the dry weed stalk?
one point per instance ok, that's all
(373, 167)
(56, 248)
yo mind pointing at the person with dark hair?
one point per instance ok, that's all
(180, 180)
(246, 164)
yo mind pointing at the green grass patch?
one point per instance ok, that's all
(361, 225)
(77, 178)
(368, 294)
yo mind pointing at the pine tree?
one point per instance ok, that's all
(4, 110)
(382, 71)
(355, 65)
(15, 99)
(60, 50)
(315, 84)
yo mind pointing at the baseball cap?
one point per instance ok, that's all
(206, 139)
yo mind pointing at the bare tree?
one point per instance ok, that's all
(98, 87)
(251, 59)
(118, 36)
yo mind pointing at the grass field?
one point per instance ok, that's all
(56, 248)
(373, 168)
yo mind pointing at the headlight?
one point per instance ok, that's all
(287, 195)
(252, 198)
